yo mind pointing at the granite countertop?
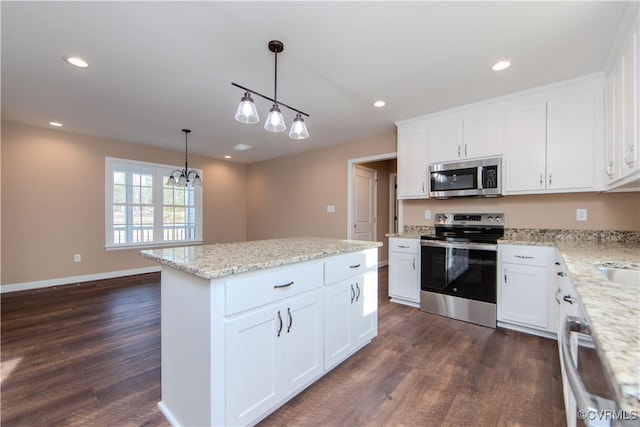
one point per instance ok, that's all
(611, 309)
(224, 259)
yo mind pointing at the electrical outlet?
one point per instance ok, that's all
(331, 208)
(77, 258)
(581, 214)
(427, 214)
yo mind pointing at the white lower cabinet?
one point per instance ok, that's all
(404, 271)
(236, 348)
(271, 352)
(350, 316)
(526, 289)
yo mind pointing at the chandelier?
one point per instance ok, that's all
(185, 177)
(247, 112)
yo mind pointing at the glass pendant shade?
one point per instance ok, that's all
(298, 128)
(196, 182)
(275, 121)
(171, 180)
(182, 181)
(247, 112)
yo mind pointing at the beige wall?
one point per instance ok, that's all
(53, 190)
(614, 211)
(288, 196)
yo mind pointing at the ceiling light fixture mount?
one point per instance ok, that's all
(247, 112)
(186, 177)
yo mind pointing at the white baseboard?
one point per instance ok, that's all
(15, 287)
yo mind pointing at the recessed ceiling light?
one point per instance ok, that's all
(501, 65)
(242, 147)
(76, 60)
(227, 157)
(56, 124)
(379, 103)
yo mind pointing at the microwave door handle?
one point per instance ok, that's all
(479, 177)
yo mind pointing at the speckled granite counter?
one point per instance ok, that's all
(612, 309)
(224, 259)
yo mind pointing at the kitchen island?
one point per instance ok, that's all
(246, 326)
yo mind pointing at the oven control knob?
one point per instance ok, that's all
(498, 219)
(490, 218)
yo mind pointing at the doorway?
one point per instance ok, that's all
(385, 166)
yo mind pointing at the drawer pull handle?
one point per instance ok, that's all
(353, 294)
(560, 273)
(290, 319)
(286, 285)
(568, 298)
(358, 289)
(354, 266)
(404, 246)
(523, 256)
(281, 324)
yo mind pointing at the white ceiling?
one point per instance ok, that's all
(158, 67)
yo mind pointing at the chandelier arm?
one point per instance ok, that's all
(269, 99)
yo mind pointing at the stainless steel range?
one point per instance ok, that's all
(459, 267)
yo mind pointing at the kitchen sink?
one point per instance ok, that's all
(626, 276)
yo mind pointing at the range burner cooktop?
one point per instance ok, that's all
(480, 228)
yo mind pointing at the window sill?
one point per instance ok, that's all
(154, 245)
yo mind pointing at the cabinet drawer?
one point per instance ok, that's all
(265, 287)
(405, 245)
(344, 266)
(526, 255)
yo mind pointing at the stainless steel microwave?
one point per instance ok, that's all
(480, 177)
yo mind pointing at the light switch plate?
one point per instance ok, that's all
(331, 208)
(427, 214)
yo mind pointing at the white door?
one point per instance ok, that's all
(364, 212)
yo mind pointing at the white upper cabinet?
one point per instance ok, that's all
(622, 95)
(553, 138)
(571, 140)
(412, 161)
(471, 133)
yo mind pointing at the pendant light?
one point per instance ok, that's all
(186, 177)
(247, 112)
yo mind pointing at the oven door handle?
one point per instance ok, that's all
(460, 245)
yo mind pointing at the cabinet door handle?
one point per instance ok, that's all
(628, 158)
(286, 285)
(459, 150)
(353, 294)
(550, 179)
(290, 319)
(610, 169)
(505, 275)
(541, 180)
(558, 293)
(358, 289)
(523, 256)
(354, 266)
(281, 324)
(568, 298)
(423, 186)
(414, 263)
(465, 150)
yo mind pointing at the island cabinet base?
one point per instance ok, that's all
(236, 348)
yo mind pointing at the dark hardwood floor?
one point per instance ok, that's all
(89, 355)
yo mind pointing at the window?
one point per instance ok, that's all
(141, 211)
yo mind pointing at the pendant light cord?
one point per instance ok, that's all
(275, 79)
